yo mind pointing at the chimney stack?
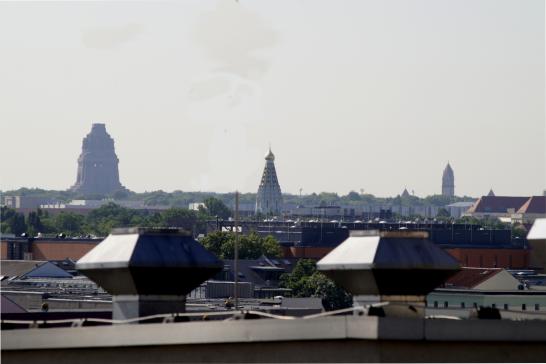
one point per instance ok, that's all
(389, 266)
(148, 271)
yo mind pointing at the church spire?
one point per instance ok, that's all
(269, 197)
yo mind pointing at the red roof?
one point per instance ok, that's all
(470, 277)
(497, 204)
(534, 205)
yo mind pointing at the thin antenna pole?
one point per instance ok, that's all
(236, 253)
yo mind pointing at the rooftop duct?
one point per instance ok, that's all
(148, 271)
(397, 266)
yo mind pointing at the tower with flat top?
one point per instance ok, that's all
(98, 164)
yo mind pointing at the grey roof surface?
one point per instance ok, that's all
(16, 268)
(8, 306)
(249, 270)
(47, 270)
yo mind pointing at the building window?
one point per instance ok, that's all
(506, 306)
(462, 305)
(446, 305)
(481, 260)
(493, 305)
(475, 305)
(435, 304)
(523, 307)
(537, 307)
(466, 260)
(510, 261)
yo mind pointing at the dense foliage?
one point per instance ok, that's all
(251, 246)
(183, 199)
(100, 221)
(306, 281)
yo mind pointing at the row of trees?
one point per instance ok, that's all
(101, 221)
(250, 246)
(183, 198)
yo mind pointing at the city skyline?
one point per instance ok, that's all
(363, 96)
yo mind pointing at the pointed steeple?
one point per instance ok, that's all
(491, 193)
(269, 197)
(270, 156)
(405, 193)
(448, 181)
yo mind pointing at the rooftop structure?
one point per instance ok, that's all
(523, 209)
(482, 278)
(499, 205)
(388, 266)
(374, 333)
(448, 182)
(148, 271)
(98, 164)
(269, 197)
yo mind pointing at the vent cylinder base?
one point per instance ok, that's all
(125, 307)
(393, 305)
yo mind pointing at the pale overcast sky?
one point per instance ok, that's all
(373, 95)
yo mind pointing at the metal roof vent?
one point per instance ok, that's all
(148, 271)
(393, 266)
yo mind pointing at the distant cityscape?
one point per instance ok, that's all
(98, 182)
(61, 257)
(388, 221)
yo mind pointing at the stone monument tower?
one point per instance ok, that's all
(448, 182)
(98, 164)
(269, 197)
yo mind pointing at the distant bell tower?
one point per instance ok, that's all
(98, 164)
(269, 197)
(448, 182)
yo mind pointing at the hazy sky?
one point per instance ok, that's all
(373, 95)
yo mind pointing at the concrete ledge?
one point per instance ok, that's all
(271, 330)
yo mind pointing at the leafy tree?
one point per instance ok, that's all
(353, 196)
(250, 246)
(333, 297)
(297, 279)
(214, 241)
(519, 231)
(121, 195)
(216, 207)
(18, 225)
(69, 223)
(34, 222)
(12, 221)
(306, 281)
(178, 217)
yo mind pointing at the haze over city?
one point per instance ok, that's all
(370, 95)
